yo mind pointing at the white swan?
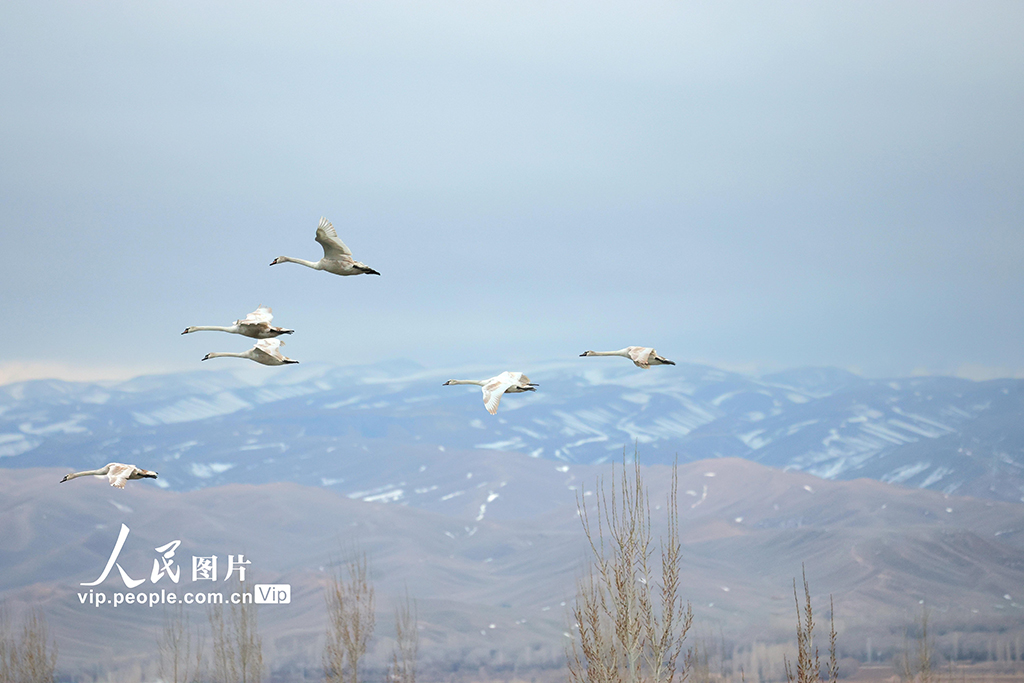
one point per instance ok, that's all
(641, 356)
(255, 325)
(337, 257)
(493, 388)
(266, 351)
(118, 473)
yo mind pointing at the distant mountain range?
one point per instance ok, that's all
(476, 514)
(493, 565)
(356, 430)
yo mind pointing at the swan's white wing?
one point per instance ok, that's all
(328, 238)
(270, 347)
(640, 355)
(118, 474)
(515, 379)
(261, 315)
(495, 387)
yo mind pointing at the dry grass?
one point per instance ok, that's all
(808, 664)
(631, 623)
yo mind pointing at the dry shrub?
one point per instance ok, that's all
(350, 621)
(32, 658)
(237, 645)
(916, 667)
(630, 623)
(181, 653)
(402, 668)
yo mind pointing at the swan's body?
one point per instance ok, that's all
(337, 257)
(255, 325)
(642, 356)
(266, 351)
(117, 473)
(493, 388)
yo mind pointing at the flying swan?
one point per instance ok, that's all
(493, 388)
(266, 351)
(641, 356)
(255, 325)
(337, 257)
(117, 473)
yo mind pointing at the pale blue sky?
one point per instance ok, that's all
(748, 184)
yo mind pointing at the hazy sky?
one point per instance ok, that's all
(757, 185)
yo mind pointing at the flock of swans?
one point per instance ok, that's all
(338, 260)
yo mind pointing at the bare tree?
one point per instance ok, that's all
(630, 626)
(237, 645)
(402, 668)
(31, 658)
(181, 652)
(699, 669)
(917, 668)
(808, 664)
(350, 621)
(7, 650)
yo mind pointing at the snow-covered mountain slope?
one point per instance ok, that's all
(391, 432)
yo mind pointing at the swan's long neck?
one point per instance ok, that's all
(213, 328)
(102, 470)
(477, 382)
(227, 354)
(315, 265)
(620, 352)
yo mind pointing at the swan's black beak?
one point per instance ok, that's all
(670, 362)
(64, 479)
(206, 357)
